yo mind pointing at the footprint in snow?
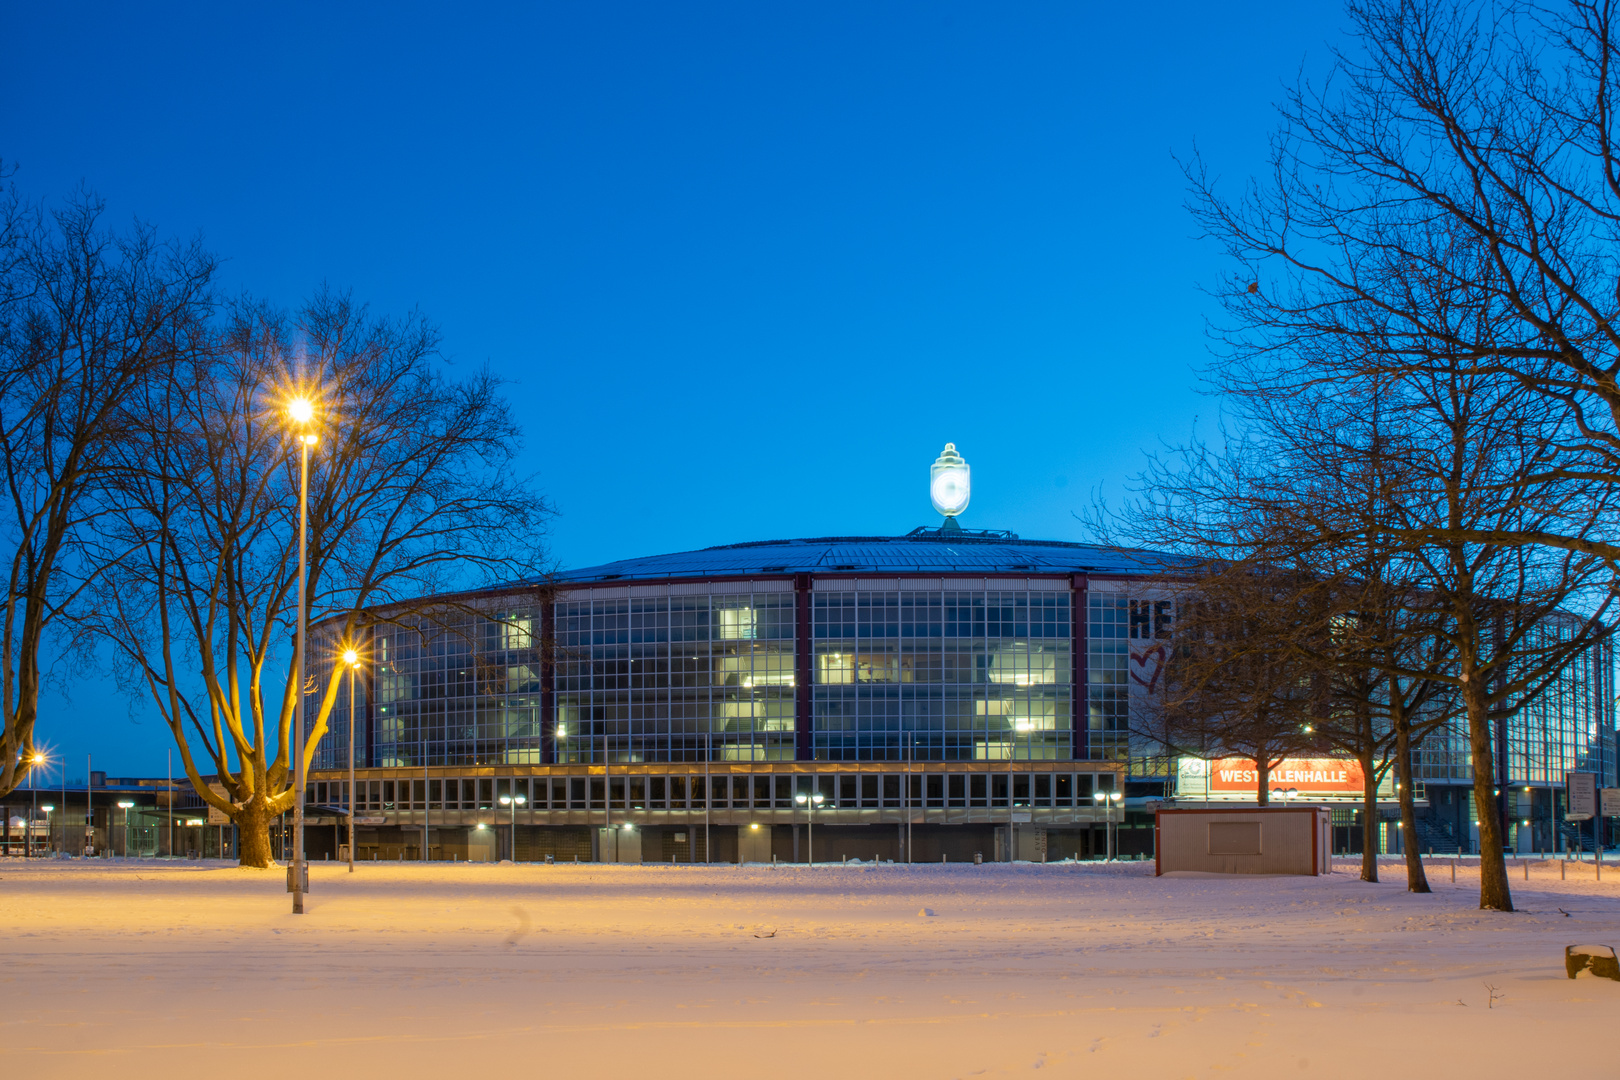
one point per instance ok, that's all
(524, 927)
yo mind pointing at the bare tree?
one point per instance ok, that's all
(86, 316)
(1341, 455)
(1458, 146)
(1377, 713)
(1241, 679)
(412, 491)
(1462, 452)
(1437, 232)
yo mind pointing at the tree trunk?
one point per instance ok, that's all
(1369, 821)
(1494, 893)
(1416, 880)
(253, 833)
(1263, 770)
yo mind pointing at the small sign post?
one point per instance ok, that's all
(1581, 792)
(215, 816)
(1580, 795)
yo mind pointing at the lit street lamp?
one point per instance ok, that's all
(34, 761)
(811, 801)
(351, 658)
(1103, 799)
(302, 412)
(514, 801)
(125, 806)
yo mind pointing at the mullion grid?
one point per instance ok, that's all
(905, 675)
(650, 684)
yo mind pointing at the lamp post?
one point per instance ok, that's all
(811, 801)
(125, 805)
(1100, 797)
(352, 658)
(1108, 800)
(1117, 798)
(302, 412)
(514, 801)
(35, 760)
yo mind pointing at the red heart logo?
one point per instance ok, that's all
(1157, 655)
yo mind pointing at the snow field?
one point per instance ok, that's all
(150, 969)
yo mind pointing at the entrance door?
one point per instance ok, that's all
(619, 844)
(754, 843)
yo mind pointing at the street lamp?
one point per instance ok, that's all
(302, 412)
(811, 801)
(514, 801)
(1118, 799)
(125, 805)
(1100, 797)
(35, 760)
(351, 658)
(1104, 799)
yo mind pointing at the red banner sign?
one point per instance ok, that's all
(1308, 776)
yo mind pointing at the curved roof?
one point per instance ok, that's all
(923, 551)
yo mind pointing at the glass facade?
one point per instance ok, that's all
(704, 676)
(654, 791)
(1568, 727)
(903, 670)
(461, 689)
(1108, 687)
(941, 675)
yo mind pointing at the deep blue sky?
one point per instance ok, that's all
(746, 266)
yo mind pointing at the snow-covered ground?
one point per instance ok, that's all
(157, 969)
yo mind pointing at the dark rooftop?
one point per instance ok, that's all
(923, 551)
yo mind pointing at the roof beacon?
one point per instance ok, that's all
(949, 486)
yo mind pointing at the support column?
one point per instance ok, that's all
(803, 722)
(368, 676)
(548, 679)
(1079, 694)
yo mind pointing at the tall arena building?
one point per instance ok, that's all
(946, 694)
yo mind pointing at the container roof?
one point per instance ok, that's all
(922, 551)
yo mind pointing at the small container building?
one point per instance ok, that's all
(1243, 839)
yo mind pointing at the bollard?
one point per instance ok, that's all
(978, 858)
(1563, 869)
(1527, 869)
(1454, 871)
